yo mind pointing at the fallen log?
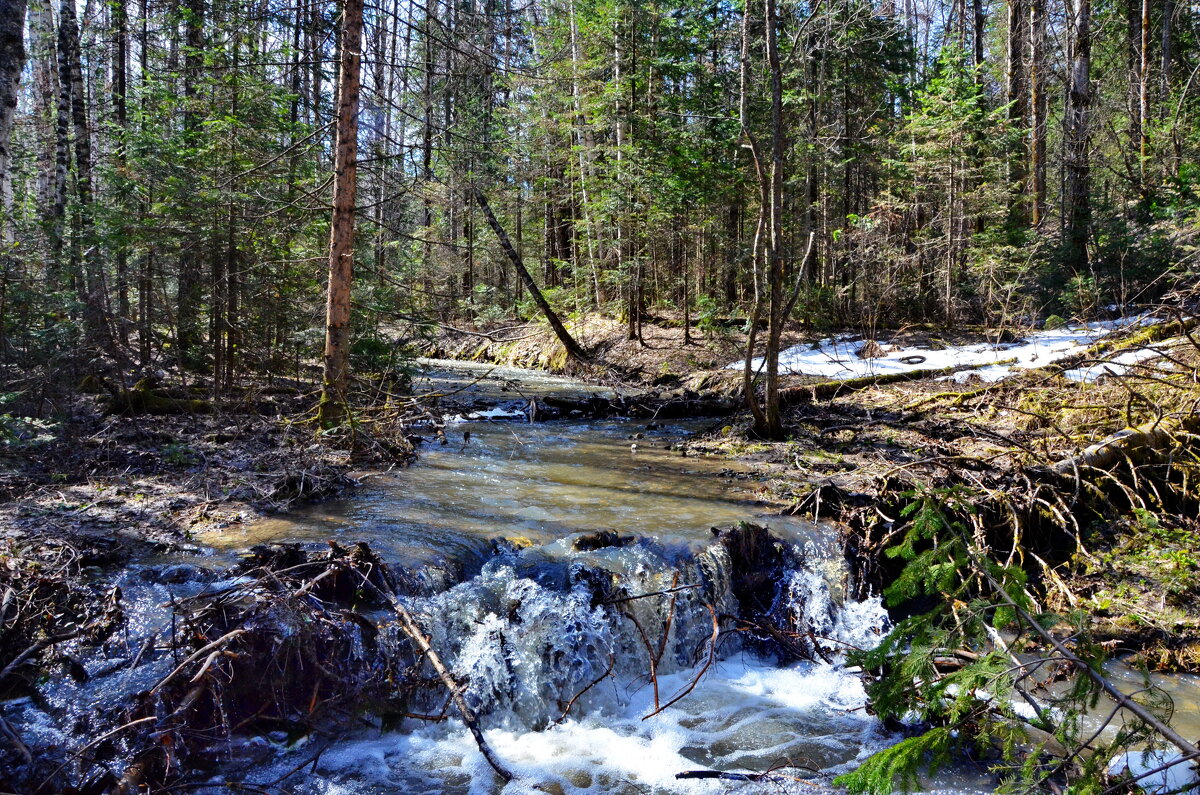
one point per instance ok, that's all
(1148, 440)
(825, 390)
(144, 399)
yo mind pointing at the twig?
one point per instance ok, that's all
(612, 662)
(654, 593)
(92, 743)
(712, 656)
(34, 649)
(15, 739)
(216, 644)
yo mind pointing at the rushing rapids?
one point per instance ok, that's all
(591, 663)
(568, 671)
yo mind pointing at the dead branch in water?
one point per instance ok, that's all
(612, 662)
(712, 656)
(413, 630)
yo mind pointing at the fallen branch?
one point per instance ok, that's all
(1123, 701)
(676, 589)
(413, 630)
(34, 649)
(712, 656)
(216, 644)
(612, 662)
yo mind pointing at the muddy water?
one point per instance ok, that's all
(531, 484)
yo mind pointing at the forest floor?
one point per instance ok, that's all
(99, 477)
(858, 454)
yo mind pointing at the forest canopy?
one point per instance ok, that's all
(168, 166)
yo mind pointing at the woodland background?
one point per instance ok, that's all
(168, 166)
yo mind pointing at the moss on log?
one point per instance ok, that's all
(1149, 440)
(825, 390)
(143, 399)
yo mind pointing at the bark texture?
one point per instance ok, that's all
(12, 61)
(341, 235)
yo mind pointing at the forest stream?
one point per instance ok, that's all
(570, 574)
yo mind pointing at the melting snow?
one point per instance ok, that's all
(837, 358)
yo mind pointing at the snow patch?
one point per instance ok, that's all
(837, 357)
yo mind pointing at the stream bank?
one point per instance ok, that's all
(852, 458)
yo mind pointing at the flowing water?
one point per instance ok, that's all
(489, 520)
(495, 531)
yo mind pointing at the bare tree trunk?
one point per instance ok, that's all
(12, 62)
(224, 274)
(1037, 107)
(146, 266)
(84, 247)
(120, 24)
(573, 348)
(764, 202)
(1133, 45)
(45, 104)
(1164, 76)
(341, 235)
(773, 427)
(1144, 95)
(979, 17)
(188, 286)
(1016, 95)
(1079, 210)
(427, 154)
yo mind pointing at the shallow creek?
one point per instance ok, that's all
(487, 521)
(485, 528)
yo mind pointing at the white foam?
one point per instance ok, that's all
(744, 716)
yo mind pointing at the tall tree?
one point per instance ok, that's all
(333, 408)
(85, 254)
(1078, 137)
(1037, 109)
(1018, 71)
(188, 286)
(12, 62)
